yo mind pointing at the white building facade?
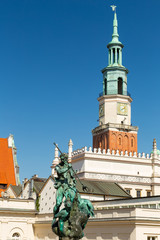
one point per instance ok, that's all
(138, 174)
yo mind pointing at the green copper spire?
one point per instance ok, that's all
(115, 46)
(115, 35)
(115, 74)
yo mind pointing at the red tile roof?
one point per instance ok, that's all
(7, 171)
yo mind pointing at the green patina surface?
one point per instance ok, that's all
(69, 221)
(115, 74)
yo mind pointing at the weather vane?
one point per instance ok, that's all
(113, 8)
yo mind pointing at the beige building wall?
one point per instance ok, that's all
(132, 219)
(117, 224)
(47, 197)
(17, 216)
(140, 172)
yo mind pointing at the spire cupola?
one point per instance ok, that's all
(115, 46)
(115, 74)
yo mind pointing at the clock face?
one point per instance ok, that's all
(122, 109)
(101, 110)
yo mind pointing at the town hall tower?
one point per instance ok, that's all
(115, 131)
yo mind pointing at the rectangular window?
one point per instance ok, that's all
(138, 193)
(151, 238)
(148, 193)
(128, 191)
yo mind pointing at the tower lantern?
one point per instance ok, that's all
(115, 131)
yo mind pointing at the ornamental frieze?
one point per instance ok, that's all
(117, 178)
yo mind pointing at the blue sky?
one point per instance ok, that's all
(51, 56)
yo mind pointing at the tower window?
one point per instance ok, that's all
(120, 141)
(105, 86)
(120, 82)
(118, 55)
(113, 55)
(131, 142)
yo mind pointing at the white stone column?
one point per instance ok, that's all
(70, 149)
(154, 149)
(111, 56)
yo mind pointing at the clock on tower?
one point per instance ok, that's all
(115, 131)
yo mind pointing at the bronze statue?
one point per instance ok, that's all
(69, 221)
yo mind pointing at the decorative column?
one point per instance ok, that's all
(154, 149)
(55, 161)
(115, 55)
(111, 56)
(70, 149)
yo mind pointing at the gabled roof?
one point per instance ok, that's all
(16, 189)
(7, 172)
(102, 188)
(50, 177)
(38, 183)
(98, 188)
(38, 186)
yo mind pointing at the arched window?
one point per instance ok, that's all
(120, 86)
(113, 142)
(100, 142)
(113, 55)
(118, 55)
(120, 141)
(105, 86)
(126, 143)
(132, 142)
(16, 236)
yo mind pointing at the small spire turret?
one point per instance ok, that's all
(115, 46)
(154, 148)
(55, 161)
(115, 34)
(70, 149)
